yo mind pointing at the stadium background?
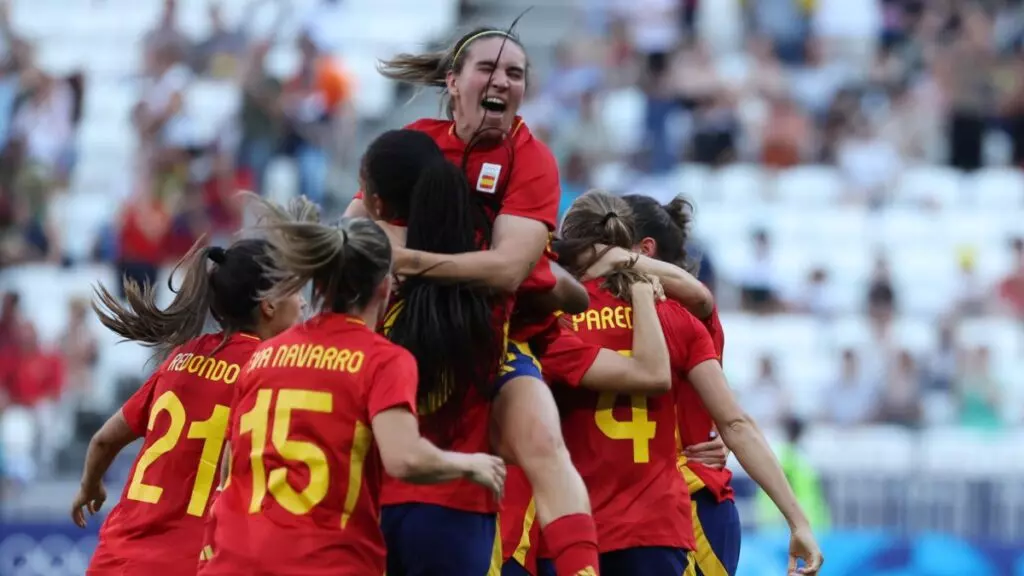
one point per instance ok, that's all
(859, 211)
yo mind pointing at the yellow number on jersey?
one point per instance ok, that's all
(638, 428)
(256, 422)
(211, 431)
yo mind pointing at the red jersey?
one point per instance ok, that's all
(472, 437)
(695, 426)
(521, 180)
(182, 412)
(305, 475)
(624, 446)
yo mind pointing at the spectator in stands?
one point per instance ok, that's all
(10, 319)
(260, 117)
(44, 125)
(142, 233)
(971, 298)
(80, 352)
(965, 70)
(766, 401)
(869, 163)
(575, 181)
(317, 106)
(1011, 288)
(219, 54)
(979, 393)
(881, 296)
(817, 296)
(588, 135)
(166, 33)
(852, 399)
(784, 23)
(900, 401)
(759, 283)
(787, 135)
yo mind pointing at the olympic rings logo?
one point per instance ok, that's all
(54, 555)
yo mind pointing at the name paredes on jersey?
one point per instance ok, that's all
(604, 318)
(308, 356)
(206, 367)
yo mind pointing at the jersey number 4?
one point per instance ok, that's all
(256, 422)
(638, 428)
(211, 431)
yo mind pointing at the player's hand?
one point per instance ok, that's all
(659, 290)
(90, 498)
(803, 546)
(487, 471)
(614, 259)
(712, 453)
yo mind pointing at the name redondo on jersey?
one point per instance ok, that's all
(310, 356)
(206, 367)
(604, 318)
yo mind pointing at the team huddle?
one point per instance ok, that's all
(449, 333)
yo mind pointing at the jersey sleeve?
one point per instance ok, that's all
(136, 408)
(534, 191)
(689, 343)
(566, 356)
(393, 381)
(714, 326)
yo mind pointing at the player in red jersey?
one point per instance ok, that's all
(181, 412)
(451, 529)
(515, 181)
(661, 233)
(709, 386)
(344, 411)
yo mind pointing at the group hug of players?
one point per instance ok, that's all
(360, 441)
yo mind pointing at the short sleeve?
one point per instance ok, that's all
(689, 343)
(714, 326)
(534, 191)
(136, 409)
(541, 278)
(567, 357)
(358, 196)
(393, 380)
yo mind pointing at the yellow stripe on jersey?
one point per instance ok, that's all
(523, 548)
(704, 555)
(691, 565)
(693, 482)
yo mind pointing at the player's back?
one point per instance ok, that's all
(624, 446)
(182, 412)
(303, 496)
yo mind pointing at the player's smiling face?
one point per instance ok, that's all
(488, 90)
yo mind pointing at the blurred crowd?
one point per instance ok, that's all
(866, 86)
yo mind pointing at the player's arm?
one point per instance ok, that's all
(104, 446)
(518, 244)
(405, 454)
(679, 284)
(570, 360)
(744, 438)
(356, 209)
(567, 295)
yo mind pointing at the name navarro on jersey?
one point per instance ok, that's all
(604, 318)
(310, 356)
(205, 367)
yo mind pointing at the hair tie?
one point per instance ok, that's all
(217, 254)
(608, 217)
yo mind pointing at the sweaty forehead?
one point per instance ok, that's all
(486, 49)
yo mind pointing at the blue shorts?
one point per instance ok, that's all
(716, 527)
(513, 568)
(646, 560)
(430, 540)
(519, 361)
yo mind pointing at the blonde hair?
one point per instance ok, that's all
(598, 217)
(346, 262)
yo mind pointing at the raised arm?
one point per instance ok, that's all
(679, 284)
(518, 244)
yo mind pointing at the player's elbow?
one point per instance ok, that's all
(509, 275)
(736, 426)
(405, 462)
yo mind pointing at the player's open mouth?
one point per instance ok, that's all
(495, 105)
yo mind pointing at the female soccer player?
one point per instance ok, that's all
(515, 181)
(590, 223)
(407, 179)
(310, 475)
(182, 410)
(661, 233)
